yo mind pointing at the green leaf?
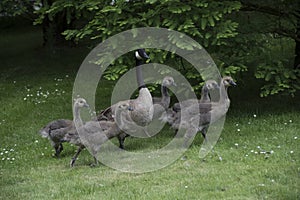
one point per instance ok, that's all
(268, 76)
(211, 21)
(203, 23)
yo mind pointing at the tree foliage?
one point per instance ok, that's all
(207, 22)
(273, 24)
(240, 35)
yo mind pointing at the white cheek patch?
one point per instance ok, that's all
(137, 55)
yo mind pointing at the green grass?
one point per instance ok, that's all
(28, 170)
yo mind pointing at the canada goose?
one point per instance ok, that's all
(164, 101)
(182, 107)
(93, 136)
(142, 106)
(173, 115)
(207, 112)
(160, 104)
(55, 132)
(209, 85)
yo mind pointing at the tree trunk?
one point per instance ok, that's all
(297, 53)
(297, 48)
(52, 29)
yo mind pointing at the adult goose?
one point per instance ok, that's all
(142, 106)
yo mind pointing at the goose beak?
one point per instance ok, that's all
(86, 105)
(174, 84)
(143, 53)
(130, 108)
(232, 83)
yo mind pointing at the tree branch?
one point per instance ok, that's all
(247, 6)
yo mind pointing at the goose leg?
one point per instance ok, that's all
(121, 141)
(57, 148)
(175, 133)
(190, 133)
(96, 162)
(203, 132)
(75, 156)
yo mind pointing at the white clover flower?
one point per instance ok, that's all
(291, 151)
(1, 153)
(25, 98)
(285, 123)
(36, 141)
(258, 147)
(256, 152)
(252, 151)
(295, 138)
(185, 186)
(246, 155)
(271, 152)
(3, 159)
(236, 124)
(290, 121)
(6, 152)
(12, 158)
(236, 144)
(7, 158)
(238, 130)
(254, 115)
(249, 123)
(67, 76)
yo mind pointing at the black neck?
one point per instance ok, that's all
(139, 74)
(142, 86)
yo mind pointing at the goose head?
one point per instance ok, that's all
(80, 103)
(228, 81)
(125, 105)
(211, 84)
(168, 81)
(141, 54)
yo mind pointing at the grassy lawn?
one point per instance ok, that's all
(36, 87)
